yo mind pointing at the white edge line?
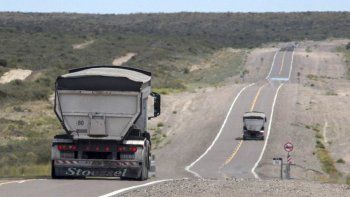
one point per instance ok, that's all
(187, 168)
(273, 62)
(134, 187)
(4, 183)
(291, 65)
(268, 134)
(18, 181)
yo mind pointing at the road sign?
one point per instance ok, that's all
(288, 147)
(277, 161)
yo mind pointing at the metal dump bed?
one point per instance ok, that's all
(254, 114)
(101, 102)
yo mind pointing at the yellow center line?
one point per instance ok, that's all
(284, 54)
(235, 150)
(256, 98)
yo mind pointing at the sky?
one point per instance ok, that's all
(151, 6)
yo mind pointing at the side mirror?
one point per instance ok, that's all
(156, 99)
(265, 119)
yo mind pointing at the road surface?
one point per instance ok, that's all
(228, 156)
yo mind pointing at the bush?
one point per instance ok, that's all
(26, 91)
(3, 62)
(347, 47)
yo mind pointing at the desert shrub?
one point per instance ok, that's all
(24, 91)
(347, 47)
(340, 160)
(3, 62)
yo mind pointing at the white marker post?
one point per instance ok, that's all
(288, 147)
(279, 161)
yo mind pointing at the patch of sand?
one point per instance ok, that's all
(83, 45)
(14, 74)
(123, 59)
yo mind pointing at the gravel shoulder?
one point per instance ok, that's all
(240, 187)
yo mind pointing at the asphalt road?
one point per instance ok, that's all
(229, 156)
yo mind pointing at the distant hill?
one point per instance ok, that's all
(229, 29)
(44, 42)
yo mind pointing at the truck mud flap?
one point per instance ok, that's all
(96, 172)
(96, 168)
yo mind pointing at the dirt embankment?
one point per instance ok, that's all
(313, 112)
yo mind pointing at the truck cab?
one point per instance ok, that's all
(254, 125)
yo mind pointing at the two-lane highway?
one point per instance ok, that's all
(229, 156)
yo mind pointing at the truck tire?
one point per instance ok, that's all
(53, 174)
(145, 166)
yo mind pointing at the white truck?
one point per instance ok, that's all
(254, 125)
(103, 110)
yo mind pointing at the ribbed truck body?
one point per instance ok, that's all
(103, 110)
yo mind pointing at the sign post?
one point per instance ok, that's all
(288, 147)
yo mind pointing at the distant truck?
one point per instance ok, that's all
(103, 110)
(254, 125)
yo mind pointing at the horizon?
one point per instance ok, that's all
(158, 6)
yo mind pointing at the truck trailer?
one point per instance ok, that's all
(103, 111)
(254, 125)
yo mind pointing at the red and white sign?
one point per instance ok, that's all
(288, 147)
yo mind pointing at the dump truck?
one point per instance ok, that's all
(103, 111)
(254, 125)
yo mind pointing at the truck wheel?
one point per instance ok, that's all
(53, 174)
(144, 170)
(144, 173)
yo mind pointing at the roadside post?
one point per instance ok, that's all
(279, 161)
(288, 147)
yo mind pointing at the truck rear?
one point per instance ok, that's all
(254, 125)
(103, 110)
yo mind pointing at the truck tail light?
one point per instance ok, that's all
(130, 149)
(66, 147)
